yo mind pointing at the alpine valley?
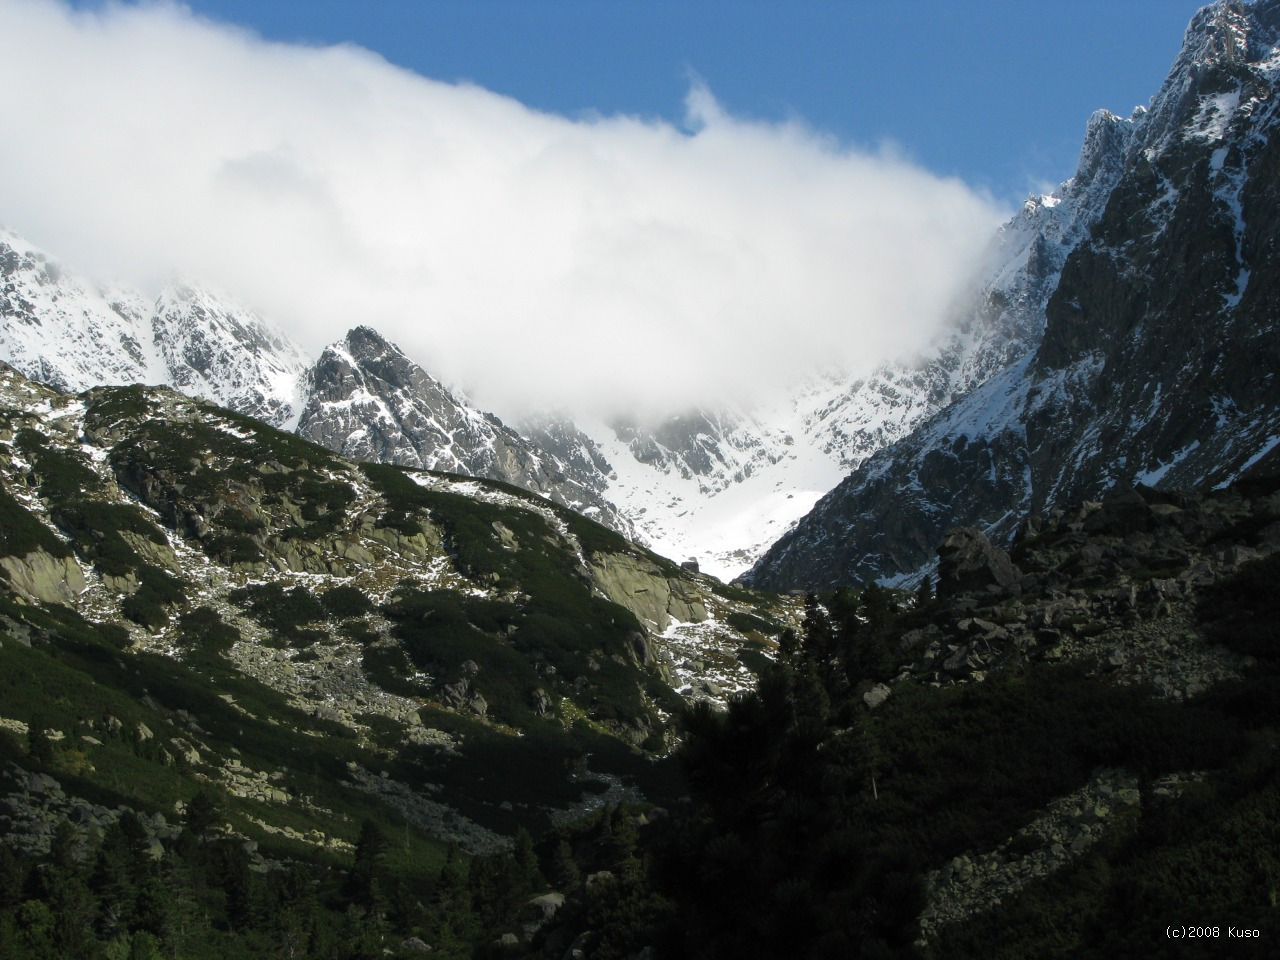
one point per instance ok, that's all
(311, 657)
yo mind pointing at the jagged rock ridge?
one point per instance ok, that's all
(366, 400)
(1159, 354)
(73, 334)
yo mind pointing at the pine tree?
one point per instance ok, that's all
(292, 909)
(39, 746)
(70, 900)
(13, 873)
(869, 754)
(620, 845)
(452, 918)
(144, 946)
(563, 869)
(112, 882)
(365, 880)
(202, 814)
(526, 858)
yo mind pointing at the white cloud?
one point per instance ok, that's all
(610, 262)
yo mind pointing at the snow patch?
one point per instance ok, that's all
(1152, 477)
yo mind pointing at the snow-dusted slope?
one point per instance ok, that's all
(63, 330)
(366, 400)
(713, 488)
(218, 351)
(1160, 355)
(721, 487)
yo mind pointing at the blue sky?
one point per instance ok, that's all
(996, 93)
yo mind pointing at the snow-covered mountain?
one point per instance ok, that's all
(1160, 351)
(721, 487)
(362, 397)
(72, 334)
(366, 400)
(718, 486)
(221, 352)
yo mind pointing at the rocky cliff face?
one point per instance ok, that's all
(1158, 357)
(225, 354)
(366, 400)
(71, 333)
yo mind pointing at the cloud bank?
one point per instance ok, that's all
(605, 264)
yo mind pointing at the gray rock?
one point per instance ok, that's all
(876, 695)
(547, 904)
(542, 703)
(968, 562)
(42, 783)
(40, 576)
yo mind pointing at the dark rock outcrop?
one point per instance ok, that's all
(366, 400)
(1160, 351)
(967, 561)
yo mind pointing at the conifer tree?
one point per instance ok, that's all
(366, 879)
(13, 873)
(526, 859)
(39, 746)
(564, 869)
(202, 814)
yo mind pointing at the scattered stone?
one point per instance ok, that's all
(973, 882)
(876, 695)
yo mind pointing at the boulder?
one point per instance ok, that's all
(968, 563)
(876, 695)
(639, 585)
(1122, 511)
(547, 904)
(542, 703)
(41, 576)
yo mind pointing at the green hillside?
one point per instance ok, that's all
(200, 613)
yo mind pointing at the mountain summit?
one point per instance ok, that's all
(366, 400)
(1158, 359)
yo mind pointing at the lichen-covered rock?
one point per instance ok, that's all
(39, 576)
(640, 586)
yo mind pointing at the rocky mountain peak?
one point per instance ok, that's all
(1157, 361)
(212, 348)
(1102, 157)
(1227, 45)
(368, 401)
(1225, 33)
(363, 339)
